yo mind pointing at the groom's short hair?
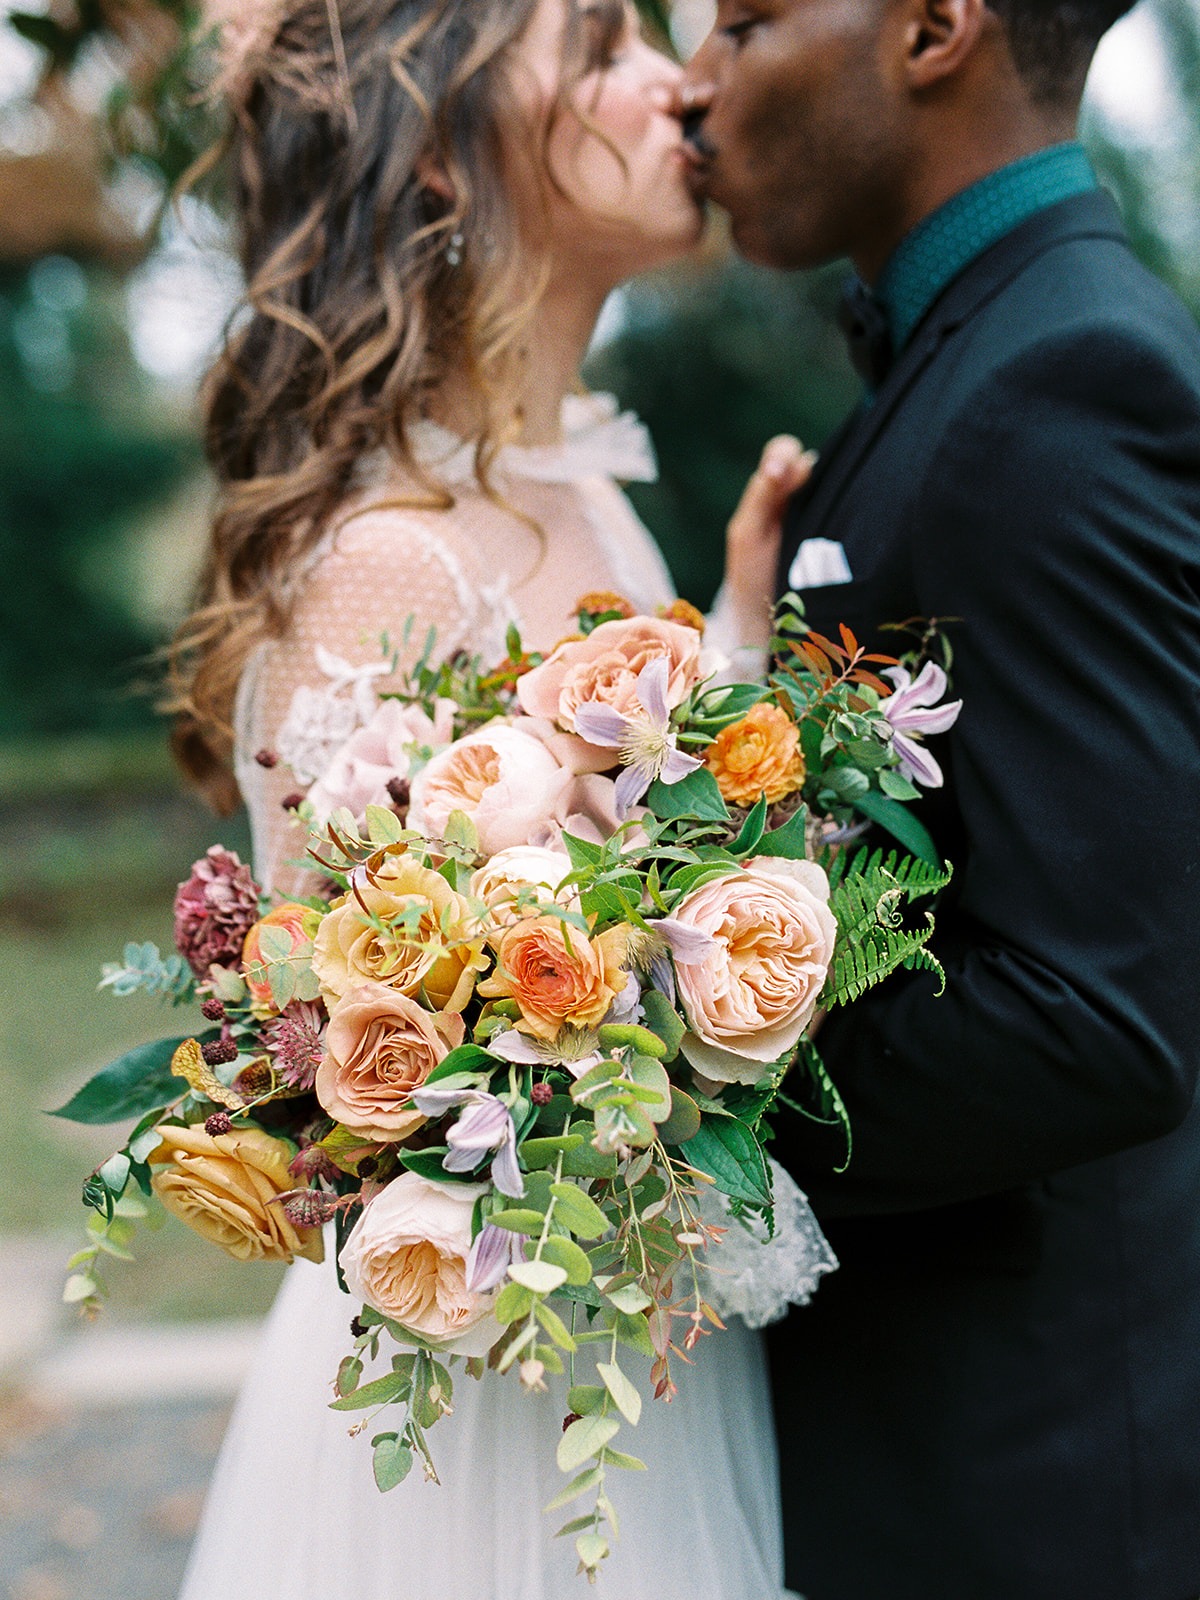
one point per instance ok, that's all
(1053, 41)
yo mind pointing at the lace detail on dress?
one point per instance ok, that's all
(757, 1278)
(319, 721)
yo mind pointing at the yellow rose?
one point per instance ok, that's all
(403, 926)
(756, 756)
(557, 974)
(223, 1186)
(379, 1047)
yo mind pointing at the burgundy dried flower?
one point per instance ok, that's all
(312, 1162)
(308, 1208)
(571, 1416)
(267, 759)
(358, 1328)
(542, 1094)
(292, 802)
(296, 1039)
(220, 1122)
(215, 910)
(368, 1167)
(218, 1051)
(400, 791)
(213, 1009)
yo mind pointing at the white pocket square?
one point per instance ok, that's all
(817, 564)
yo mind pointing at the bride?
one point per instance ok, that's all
(436, 197)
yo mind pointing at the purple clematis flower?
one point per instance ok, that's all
(646, 744)
(494, 1251)
(912, 710)
(577, 1049)
(486, 1124)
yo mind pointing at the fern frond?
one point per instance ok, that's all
(867, 900)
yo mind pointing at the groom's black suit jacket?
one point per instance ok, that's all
(997, 1397)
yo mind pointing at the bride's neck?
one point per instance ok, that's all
(552, 350)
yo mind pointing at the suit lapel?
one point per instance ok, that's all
(1093, 215)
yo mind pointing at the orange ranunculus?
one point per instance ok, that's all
(379, 1047)
(300, 924)
(756, 756)
(406, 927)
(557, 975)
(224, 1185)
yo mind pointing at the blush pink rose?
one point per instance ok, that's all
(517, 881)
(605, 667)
(748, 1000)
(503, 779)
(407, 1257)
(379, 751)
(379, 1047)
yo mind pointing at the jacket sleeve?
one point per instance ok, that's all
(1060, 522)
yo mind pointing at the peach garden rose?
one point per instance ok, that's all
(404, 926)
(379, 1047)
(528, 874)
(407, 1257)
(750, 996)
(504, 779)
(604, 667)
(223, 1186)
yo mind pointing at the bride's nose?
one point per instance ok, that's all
(665, 82)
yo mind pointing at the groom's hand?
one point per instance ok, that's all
(756, 528)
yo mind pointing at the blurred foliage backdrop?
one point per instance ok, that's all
(102, 494)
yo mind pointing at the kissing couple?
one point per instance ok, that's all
(997, 1395)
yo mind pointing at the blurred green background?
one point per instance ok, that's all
(103, 503)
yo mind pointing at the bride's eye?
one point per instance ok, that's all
(606, 32)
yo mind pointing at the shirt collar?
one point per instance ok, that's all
(929, 258)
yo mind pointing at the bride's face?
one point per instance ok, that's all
(619, 201)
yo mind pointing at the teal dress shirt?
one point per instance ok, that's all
(929, 258)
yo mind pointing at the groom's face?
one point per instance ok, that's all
(798, 128)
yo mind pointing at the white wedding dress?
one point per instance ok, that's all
(293, 1512)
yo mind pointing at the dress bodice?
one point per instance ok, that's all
(556, 526)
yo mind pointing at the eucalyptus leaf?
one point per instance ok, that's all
(626, 1396)
(542, 1277)
(579, 1211)
(583, 1439)
(392, 1461)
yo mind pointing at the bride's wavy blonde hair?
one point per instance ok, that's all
(366, 290)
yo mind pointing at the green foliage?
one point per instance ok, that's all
(873, 942)
(134, 1084)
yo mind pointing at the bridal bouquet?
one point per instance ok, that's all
(574, 917)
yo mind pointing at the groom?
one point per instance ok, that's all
(998, 1396)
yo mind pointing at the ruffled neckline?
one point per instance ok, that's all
(599, 440)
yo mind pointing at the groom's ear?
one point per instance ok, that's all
(939, 37)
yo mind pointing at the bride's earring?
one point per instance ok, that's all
(454, 250)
